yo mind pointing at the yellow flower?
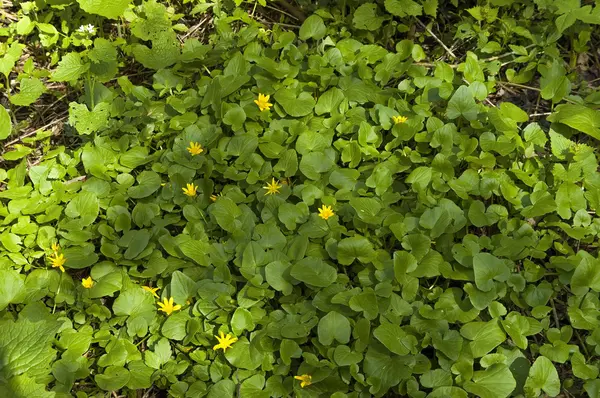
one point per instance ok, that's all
(190, 190)
(263, 102)
(213, 198)
(87, 282)
(305, 380)
(195, 148)
(152, 290)
(399, 119)
(225, 342)
(325, 212)
(272, 187)
(167, 306)
(55, 247)
(58, 261)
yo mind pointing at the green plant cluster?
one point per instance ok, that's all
(454, 143)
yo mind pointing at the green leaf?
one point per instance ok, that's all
(578, 117)
(365, 17)
(314, 271)
(294, 105)
(174, 327)
(488, 268)
(86, 121)
(495, 382)
(485, 336)
(5, 123)
(29, 91)
(313, 27)
(334, 326)
(329, 101)
(395, 339)
(70, 68)
(420, 178)
(10, 57)
(586, 276)
(277, 274)
(26, 347)
(11, 287)
(463, 104)
(182, 287)
(543, 376)
(112, 9)
(355, 248)
(244, 355)
(165, 51)
(343, 356)
(134, 302)
(401, 8)
(113, 378)
(85, 207)
(242, 320)
(555, 85)
(148, 183)
(581, 369)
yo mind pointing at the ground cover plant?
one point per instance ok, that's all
(292, 198)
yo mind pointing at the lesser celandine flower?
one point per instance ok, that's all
(152, 290)
(263, 102)
(55, 247)
(195, 148)
(305, 380)
(190, 190)
(325, 212)
(272, 187)
(88, 283)
(399, 119)
(57, 261)
(225, 342)
(167, 306)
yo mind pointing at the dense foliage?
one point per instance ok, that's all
(410, 212)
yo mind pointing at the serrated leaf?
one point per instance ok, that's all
(112, 9)
(30, 90)
(70, 68)
(5, 123)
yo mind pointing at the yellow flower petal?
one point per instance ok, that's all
(272, 187)
(195, 148)
(88, 283)
(190, 190)
(325, 212)
(263, 102)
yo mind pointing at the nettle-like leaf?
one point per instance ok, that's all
(30, 90)
(107, 8)
(5, 123)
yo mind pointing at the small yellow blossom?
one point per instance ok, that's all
(195, 148)
(190, 190)
(305, 380)
(87, 282)
(167, 306)
(325, 212)
(225, 342)
(399, 119)
(55, 247)
(152, 290)
(263, 102)
(272, 187)
(58, 261)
